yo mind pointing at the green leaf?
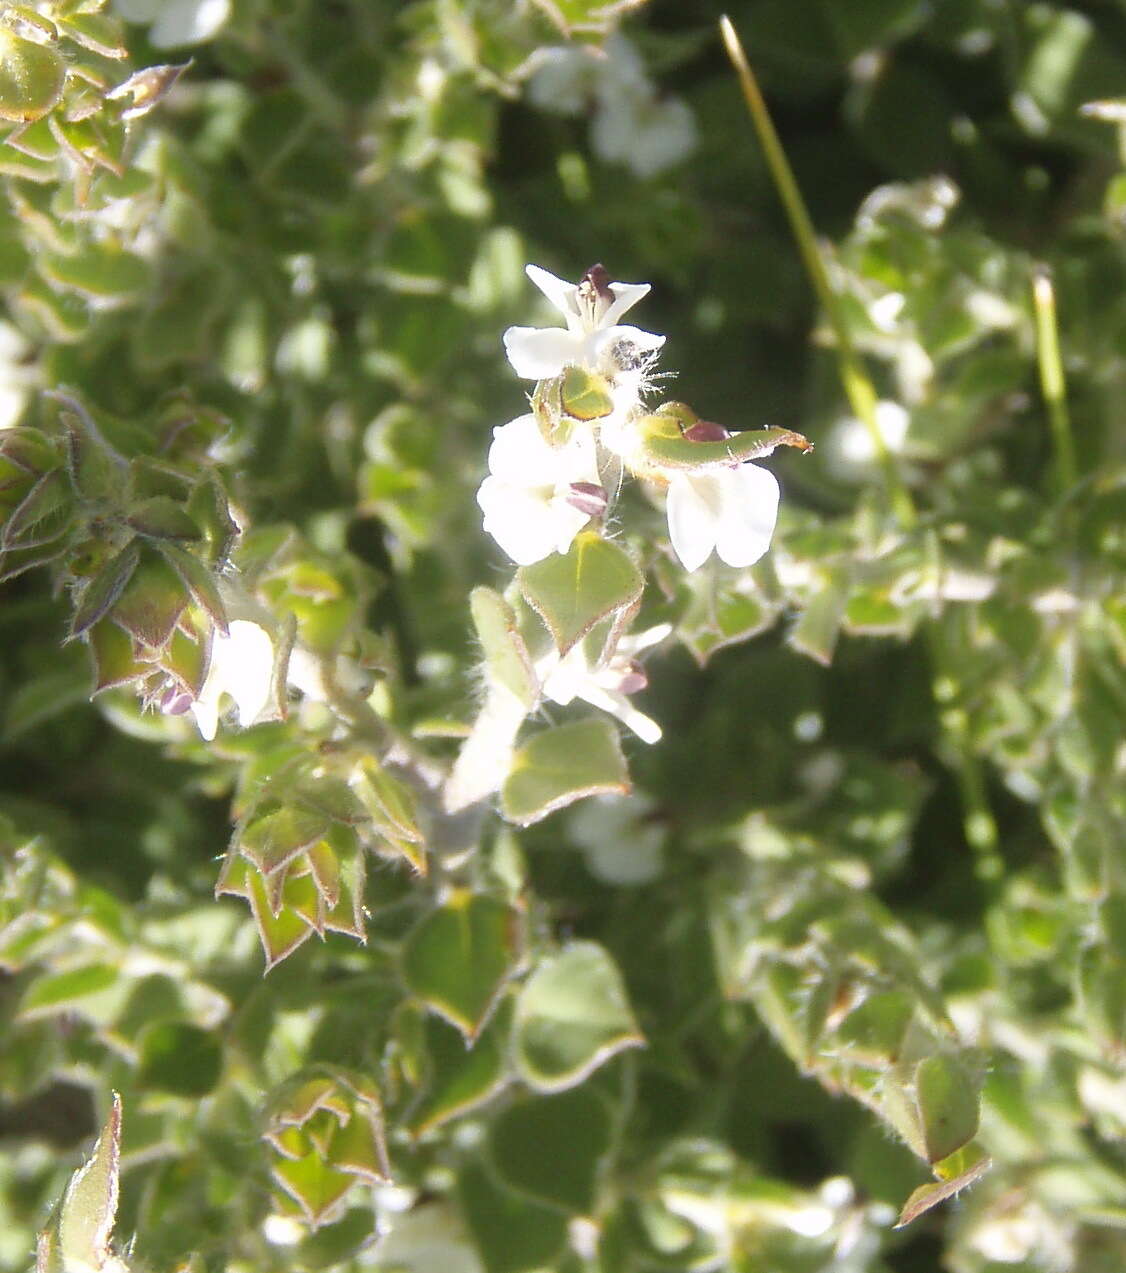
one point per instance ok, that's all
(41, 518)
(572, 1016)
(572, 592)
(874, 1030)
(274, 840)
(458, 958)
(949, 1105)
(463, 1075)
(90, 1204)
(179, 1058)
(210, 510)
(931, 1194)
(199, 580)
(512, 1234)
(62, 991)
(152, 602)
(104, 589)
(559, 766)
(280, 932)
(389, 802)
(553, 1148)
(99, 32)
(32, 77)
(317, 1188)
(816, 632)
(99, 272)
(162, 518)
(506, 656)
(667, 447)
(112, 652)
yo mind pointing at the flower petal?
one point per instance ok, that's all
(242, 665)
(748, 512)
(182, 22)
(520, 455)
(618, 705)
(246, 660)
(522, 524)
(538, 353)
(559, 292)
(626, 296)
(693, 509)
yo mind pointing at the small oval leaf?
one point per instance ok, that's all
(572, 1016)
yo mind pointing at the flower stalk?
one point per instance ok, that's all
(857, 383)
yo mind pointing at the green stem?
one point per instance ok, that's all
(1052, 381)
(854, 377)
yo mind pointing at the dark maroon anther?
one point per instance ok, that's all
(588, 497)
(633, 680)
(595, 284)
(706, 431)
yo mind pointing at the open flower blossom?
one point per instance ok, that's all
(592, 338)
(176, 23)
(631, 123)
(242, 666)
(731, 510)
(605, 685)
(538, 497)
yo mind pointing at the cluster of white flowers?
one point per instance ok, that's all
(631, 123)
(547, 483)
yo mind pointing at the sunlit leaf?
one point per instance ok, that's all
(460, 955)
(572, 1016)
(573, 591)
(558, 766)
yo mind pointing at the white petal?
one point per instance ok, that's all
(638, 641)
(246, 666)
(188, 22)
(206, 713)
(523, 524)
(748, 512)
(537, 353)
(626, 296)
(578, 460)
(618, 705)
(519, 455)
(560, 293)
(562, 679)
(693, 510)
(562, 80)
(666, 135)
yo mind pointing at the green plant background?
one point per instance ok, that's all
(889, 799)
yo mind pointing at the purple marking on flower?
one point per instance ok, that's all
(588, 497)
(634, 678)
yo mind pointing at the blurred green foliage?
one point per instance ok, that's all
(862, 924)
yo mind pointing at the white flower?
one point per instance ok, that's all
(604, 685)
(645, 133)
(592, 338)
(175, 23)
(732, 510)
(618, 838)
(531, 507)
(242, 665)
(852, 445)
(631, 123)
